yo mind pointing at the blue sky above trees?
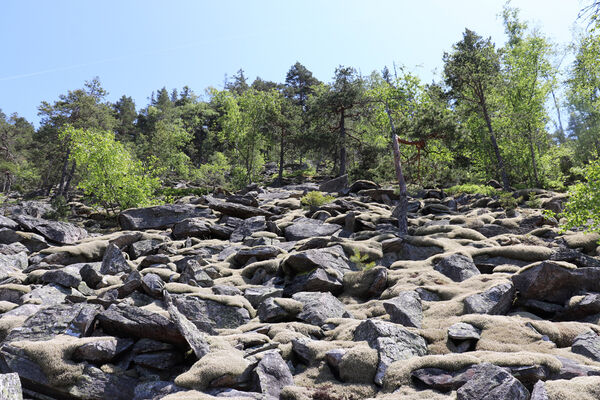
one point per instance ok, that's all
(137, 47)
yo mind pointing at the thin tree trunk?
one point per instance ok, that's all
(343, 145)
(533, 161)
(488, 121)
(402, 209)
(562, 137)
(69, 178)
(63, 174)
(281, 145)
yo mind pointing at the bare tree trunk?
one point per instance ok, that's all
(69, 178)
(343, 145)
(562, 136)
(402, 209)
(533, 161)
(281, 145)
(488, 121)
(63, 174)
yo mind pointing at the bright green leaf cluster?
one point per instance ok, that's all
(109, 173)
(583, 208)
(316, 199)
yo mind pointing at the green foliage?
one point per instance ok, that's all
(316, 199)
(60, 209)
(360, 260)
(470, 188)
(213, 173)
(582, 210)
(534, 201)
(508, 202)
(109, 174)
(300, 173)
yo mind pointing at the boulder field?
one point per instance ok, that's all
(251, 296)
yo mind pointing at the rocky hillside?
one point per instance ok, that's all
(253, 297)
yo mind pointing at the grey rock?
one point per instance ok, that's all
(247, 227)
(405, 309)
(191, 227)
(7, 223)
(372, 329)
(144, 247)
(159, 217)
(318, 307)
(463, 331)
(93, 382)
(259, 253)
(113, 261)
(160, 360)
(491, 230)
(155, 390)
(51, 294)
(32, 208)
(587, 344)
(576, 257)
(236, 210)
(13, 248)
(153, 285)
(10, 387)
(32, 241)
(272, 374)
(366, 284)
(443, 380)
(496, 300)
(362, 185)
(227, 290)
(308, 260)
(392, 341)
(90, 274)
(256, 295)
(395, 348)
(539, 391)
(155, 260)
(305, 228)
(580, 308)
(334, 185)
(196, 339)
(572, 369)
(209, 315)
(103, 350)
(63, 319)
(457, 267)
(492, 383)
(319, 280)
(427, 295)
(193, 271)
(68, 276)
(270, 311)
(121, 319)
(12, 264)
(55, 231)
(554, 283)
(334, 359)
(14, 261)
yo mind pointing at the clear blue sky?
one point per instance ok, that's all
(135, 46)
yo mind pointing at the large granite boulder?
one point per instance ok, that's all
(159, 217)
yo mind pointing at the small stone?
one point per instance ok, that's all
(457, 267)
(492, 383)
(113, 261)
(587, 344)
(497, 300)
(463, 331)
(405, 309)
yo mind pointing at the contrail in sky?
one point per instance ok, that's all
(107, 60)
